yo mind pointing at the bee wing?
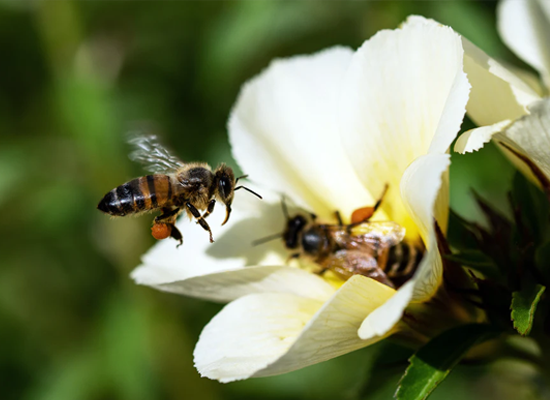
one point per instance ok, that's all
(370, 236)
(346, 263)
(153, 155)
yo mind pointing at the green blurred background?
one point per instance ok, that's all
(75, 77)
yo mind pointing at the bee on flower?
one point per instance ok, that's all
(329, 131)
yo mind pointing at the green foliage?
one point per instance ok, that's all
(524, 305)
(534, 208)
(433, 362)
(476, 260)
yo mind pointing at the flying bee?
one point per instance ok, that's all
(175, 187)
(373, 249)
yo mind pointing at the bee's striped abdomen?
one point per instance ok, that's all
(403, 259)
(142, 194)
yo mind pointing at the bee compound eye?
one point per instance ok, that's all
(311, 242)
(225, 187)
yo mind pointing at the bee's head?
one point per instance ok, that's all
(294, 228)
(313, 240)
(225, 188)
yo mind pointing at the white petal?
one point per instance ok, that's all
(525, 27)
(530, 135)
(497, 93)
(268, 334)
(384, 318)
(404, 96)
(229, 285)
(283, 133)
(420, 187)
(249, 333)
(251, 219)
(475, 139)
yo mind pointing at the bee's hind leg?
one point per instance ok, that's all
(200, 219)
(168, 219)
(338, 218)
(363, 214)
(168, 214)
(176, 234)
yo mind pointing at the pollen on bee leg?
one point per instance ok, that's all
(161, 231)
(361, 214)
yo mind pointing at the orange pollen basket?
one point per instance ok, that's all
(361, 214)
(160, 231)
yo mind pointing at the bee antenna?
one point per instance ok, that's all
(285, 209)
(248, 190)
(266, 239)
(241, 177)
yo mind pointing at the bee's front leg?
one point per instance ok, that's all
(200, 219)
(210, 208)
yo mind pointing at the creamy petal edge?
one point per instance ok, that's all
(269, 334)
(420, 186)
(476, 138)
(497, 93)
(283, 132)
(530, 135)
(525, 27)
(410, 105)
(229, 285)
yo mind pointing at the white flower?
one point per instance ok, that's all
(329, 131)
(507, 103)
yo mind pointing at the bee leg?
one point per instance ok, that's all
(209, 209)
(200, 220)
(322, 271)
(379, 201)
(292, 256)
(338, 218)
(166, 214)
(363, 214)
(176, 234)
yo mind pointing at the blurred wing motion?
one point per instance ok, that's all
(153, 155)
(371, 237)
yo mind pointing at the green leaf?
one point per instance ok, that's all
(461, 232)
(433, 362)
(476, 260)
(390, 361)
(524, 305)
(533, 206)
(542, 259)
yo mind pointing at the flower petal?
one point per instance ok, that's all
(420, 188)
(530, 135)
(404, 96)
(251, 219)
(268, 334)
(475, 139)
(497, 93)
(229, 285)
(525, 27)
(283, 133)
